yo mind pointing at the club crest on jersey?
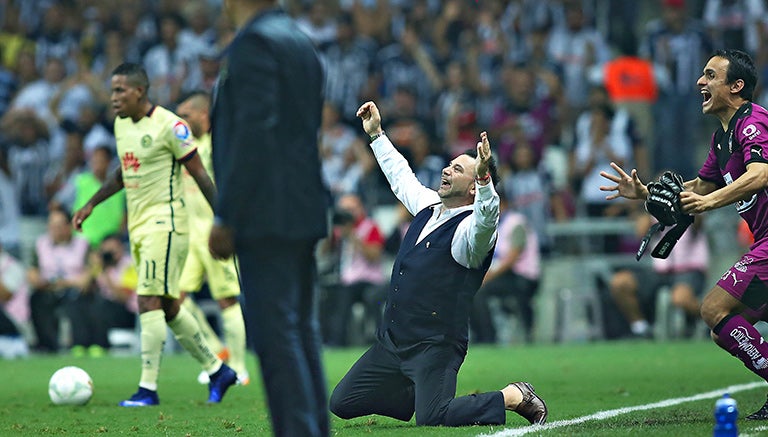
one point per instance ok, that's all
(751, 131)
(146, 141)
(182, 132)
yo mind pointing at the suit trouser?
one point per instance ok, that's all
(421, 379)
(278, 282)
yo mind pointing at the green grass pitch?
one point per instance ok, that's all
(575, 380)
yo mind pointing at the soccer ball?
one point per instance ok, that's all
(70, 386)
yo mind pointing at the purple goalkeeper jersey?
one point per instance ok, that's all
(745, 142)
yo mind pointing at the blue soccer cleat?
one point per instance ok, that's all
(221, 381)
(142, 398)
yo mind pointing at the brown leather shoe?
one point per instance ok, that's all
(532, 406)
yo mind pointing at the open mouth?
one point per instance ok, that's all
(444, 183)
(706, 96)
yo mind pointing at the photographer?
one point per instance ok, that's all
(359, 244)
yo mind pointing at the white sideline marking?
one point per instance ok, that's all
(602, 415)
(759, 430)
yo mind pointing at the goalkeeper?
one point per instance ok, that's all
(735, 172)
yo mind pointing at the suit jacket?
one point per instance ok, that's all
(265, 120)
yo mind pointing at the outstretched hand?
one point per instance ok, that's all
(371, 118)
(628, 186)
(483, 156)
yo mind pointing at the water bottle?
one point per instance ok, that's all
(726, 414)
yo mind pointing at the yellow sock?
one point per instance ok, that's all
(188, 335)
(210, 335)
(234, 335)
(152, 341)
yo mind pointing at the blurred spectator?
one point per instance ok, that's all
(348, 63)
(10, 214)
(736, 23)
(205, 72)
(8, 86)
(514, 274)
(358, 239)
(13, 37)
(577, 46)
(427, 165)
(520, 107)
(678, 44)
(37, 95)
(14, 307)
(54, 40)
(58, 275)
(25, 70)
(115, 280)
(78, 90)
(61, 171)
(406, 119)
(344, 158)
(683, 272)
(137, 33)
(527, 188)
(28, 158)
(631, 84)
(408, 63)
(318, 23)
(596, 148)
(169, 63)
(199, 33)
(455, 111)
(113, 53)
(110, 214)
(623, 125)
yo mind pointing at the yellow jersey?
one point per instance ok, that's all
(151, 151)
(200, 212)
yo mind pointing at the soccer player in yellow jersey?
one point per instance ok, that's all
(221, 275)
(153, 143)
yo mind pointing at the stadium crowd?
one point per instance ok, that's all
(563, 87)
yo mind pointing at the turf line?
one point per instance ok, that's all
(602, 415)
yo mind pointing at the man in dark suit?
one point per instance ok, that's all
(423, 337)
(271, 207)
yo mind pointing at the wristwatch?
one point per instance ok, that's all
(374, 137)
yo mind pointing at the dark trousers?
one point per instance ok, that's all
(421, 379)
(7, 326)
(89, 320)
(44, 309)
(278, 281)
(337, 309)
(507, 285)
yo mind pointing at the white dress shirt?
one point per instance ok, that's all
(475, 235)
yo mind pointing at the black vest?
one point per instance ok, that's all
(430, 294)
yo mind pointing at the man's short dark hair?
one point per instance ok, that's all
(492, 170)
(135, 73)
(740, 66)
